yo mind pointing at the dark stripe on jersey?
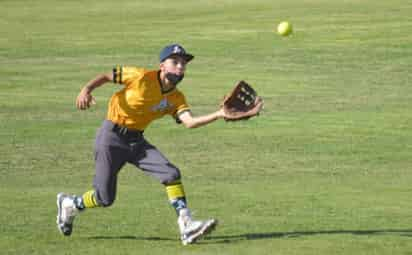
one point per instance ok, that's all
(120, 74)
(115, 74)
(178, 121)
(169, 90)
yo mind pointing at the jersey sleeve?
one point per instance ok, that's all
(181, 106)
(126, 74)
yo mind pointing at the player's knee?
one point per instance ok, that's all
(172, 176)
(105, 201)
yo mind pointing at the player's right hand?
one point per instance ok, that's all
(84, 100)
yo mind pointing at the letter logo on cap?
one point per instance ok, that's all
(177, 49)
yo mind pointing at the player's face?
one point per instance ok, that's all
(175, 65)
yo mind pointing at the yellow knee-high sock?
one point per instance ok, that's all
(89, 199)
(175, 190)
(176, 195)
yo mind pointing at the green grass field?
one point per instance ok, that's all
(326, 169)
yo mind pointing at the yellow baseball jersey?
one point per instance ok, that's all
(141, 100)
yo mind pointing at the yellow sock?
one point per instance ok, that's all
(176, 195)
(175, 190)
(89, 199)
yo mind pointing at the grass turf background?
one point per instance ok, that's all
(326, 169)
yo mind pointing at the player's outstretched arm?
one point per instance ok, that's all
(85, 98)
(193, 122)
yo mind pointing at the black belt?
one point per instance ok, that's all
(124, 131)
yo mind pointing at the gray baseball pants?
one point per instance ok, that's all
(115, 146)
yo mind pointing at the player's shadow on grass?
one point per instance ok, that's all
(269, 235)
(296, 234)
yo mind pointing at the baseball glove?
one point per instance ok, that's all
(242, 103)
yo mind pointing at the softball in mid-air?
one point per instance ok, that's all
(284, 28)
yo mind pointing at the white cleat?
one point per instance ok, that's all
(192, 230)
(66, 212)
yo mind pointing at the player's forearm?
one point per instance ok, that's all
(204, 119)
(96, 82)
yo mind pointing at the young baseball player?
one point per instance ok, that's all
(145, 95)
